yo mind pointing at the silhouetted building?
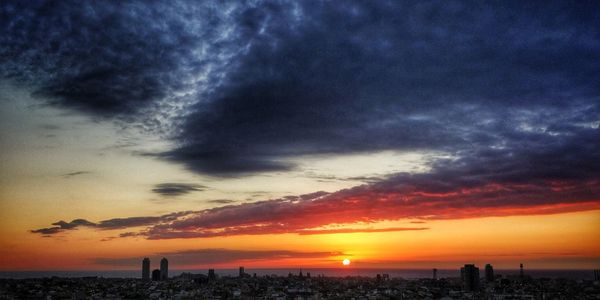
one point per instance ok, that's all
(597, 275)
(521, 273)
(211, 274)
(164, 269)
(434, 274)
(489, 273)
(470, 277)
(242, 272)
(156, 275)
(146, 269)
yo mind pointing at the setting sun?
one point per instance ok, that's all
(346, 262)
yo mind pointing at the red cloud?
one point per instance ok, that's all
(373, 203)
(402, 197)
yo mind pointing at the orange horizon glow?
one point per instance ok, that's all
(516, 239)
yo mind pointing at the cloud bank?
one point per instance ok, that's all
(405, 196)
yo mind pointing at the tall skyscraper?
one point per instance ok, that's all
(146, 269)
(470, 277)
(164, 269)
(434, 274)
(489, 273)
(211, 274)
(242, 272)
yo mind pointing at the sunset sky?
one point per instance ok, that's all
(396, 134)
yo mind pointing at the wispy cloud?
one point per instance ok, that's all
(111, 224)
(221, 201)
(177, 189)
(72, 174)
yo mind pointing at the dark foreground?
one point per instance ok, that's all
(188, 286)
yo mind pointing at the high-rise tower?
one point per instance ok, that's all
(164, 269)
(489, 273)
(146, 269)
(470, 277)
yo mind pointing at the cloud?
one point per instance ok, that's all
(128, 222)
(73, 224)
(72, 174)
(217, 256)
(176, 189)
(111, 224)
(221, 201)
(61, 226)
(47, 231)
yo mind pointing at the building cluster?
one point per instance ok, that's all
(302, 286)
(157, 274)
(471, 281)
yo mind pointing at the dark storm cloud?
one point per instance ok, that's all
(217, 256)
(176, 189)
(113, 58)
(361, 77)
(280, 79)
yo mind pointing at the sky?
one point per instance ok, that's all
(396, 134)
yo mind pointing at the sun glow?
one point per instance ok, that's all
(346, 262)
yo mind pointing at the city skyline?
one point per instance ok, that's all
(408, 135)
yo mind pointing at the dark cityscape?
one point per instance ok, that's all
(303, 285)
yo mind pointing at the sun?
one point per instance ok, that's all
(346, 262)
